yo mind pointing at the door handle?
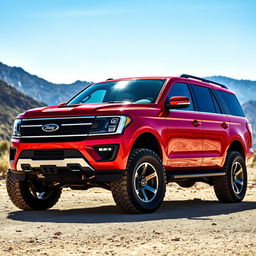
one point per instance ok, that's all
(224, 125)
(196, 123)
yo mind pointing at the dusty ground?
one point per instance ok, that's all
(190, 222)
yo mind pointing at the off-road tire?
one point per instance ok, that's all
(223, 184)
(123, 190)
(22, 198)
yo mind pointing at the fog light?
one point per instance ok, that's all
(107, 152)
(105, 149)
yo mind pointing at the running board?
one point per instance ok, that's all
(176, 176)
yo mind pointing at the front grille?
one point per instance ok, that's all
(50, 154)
(66, 128)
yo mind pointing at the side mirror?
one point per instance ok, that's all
(177, 102)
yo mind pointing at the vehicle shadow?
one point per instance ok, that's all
(190, 209)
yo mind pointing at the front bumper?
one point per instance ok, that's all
(66, 176)
(87, 162)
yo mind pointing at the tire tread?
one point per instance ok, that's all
(120, 188)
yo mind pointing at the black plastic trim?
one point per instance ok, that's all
(69, 177)
(108, 175)
(114, 154)
(203, 80)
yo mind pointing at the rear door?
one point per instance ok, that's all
(215, 126)
(185, 135)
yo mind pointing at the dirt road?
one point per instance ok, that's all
(190, 222)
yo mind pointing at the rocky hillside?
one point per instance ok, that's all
(12, 103)
(38, 88)
(250, 111)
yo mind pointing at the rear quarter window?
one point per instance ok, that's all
(204, 99)
(231, 102)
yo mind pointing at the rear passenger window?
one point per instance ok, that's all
(181, 89)
(232, 104)
(216, 104)
(204, 99)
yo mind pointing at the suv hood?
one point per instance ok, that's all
(87, 110)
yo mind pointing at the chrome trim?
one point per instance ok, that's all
(119, 129)
(32, 125)
(57, 163)
(78, 124)
(183, 176)
(54, 118)
(207, 113)
(51, 136)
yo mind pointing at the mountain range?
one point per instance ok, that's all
(38, 88)
(244, 89)
(12, 103)
(29, 91)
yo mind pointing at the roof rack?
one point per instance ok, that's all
(203, 80)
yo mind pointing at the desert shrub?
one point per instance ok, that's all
(4, 147)
(254, 160)
(4, 162)
(3, 167)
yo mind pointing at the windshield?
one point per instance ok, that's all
(133, 91)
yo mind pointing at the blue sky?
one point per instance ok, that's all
(67, 40)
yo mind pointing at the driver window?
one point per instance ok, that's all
(181, 89)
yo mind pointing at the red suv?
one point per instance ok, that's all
(132, 136)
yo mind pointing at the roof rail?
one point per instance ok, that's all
(203, 80)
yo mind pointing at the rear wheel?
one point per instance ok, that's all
(142, 187)
(32, 193)
(231, 188)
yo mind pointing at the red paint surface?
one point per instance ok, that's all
(187, 139)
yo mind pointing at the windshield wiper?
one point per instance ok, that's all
(118, 101)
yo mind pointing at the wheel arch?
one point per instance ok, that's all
(150, 141)
(237, 145)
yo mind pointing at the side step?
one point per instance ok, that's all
(191, 174)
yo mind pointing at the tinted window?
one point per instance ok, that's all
(232, 104)
(181, 89)
(135, 90)
(216, 104)
(203, 99)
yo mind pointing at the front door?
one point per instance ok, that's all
(185, 134)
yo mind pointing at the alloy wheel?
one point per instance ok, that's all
(146, 182)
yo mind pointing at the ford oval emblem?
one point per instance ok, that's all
(50, 127)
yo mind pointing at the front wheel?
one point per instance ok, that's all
(141, 188)
(32, 193)
(231, 188)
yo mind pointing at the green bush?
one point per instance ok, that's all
(4, 155)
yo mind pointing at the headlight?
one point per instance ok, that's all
(109, 125)
(16, 128)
